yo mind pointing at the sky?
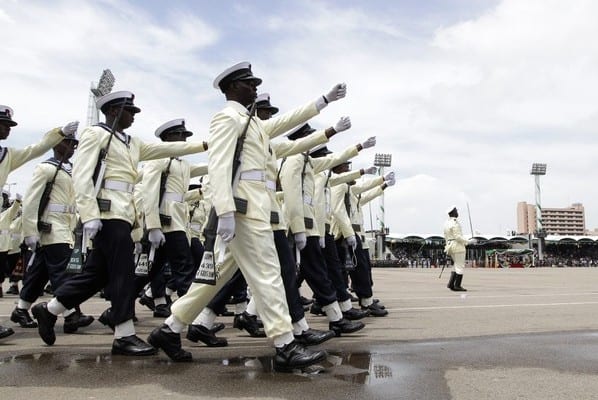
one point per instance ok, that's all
(465, 95)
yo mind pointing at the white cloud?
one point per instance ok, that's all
(464, 107)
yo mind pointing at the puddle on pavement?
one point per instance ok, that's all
(358, 368)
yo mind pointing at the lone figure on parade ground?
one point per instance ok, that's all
(455, 248)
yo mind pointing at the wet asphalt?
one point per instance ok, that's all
(516, 334)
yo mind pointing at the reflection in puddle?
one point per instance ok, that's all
(359, 368)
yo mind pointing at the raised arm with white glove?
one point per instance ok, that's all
(337, 92)
(370, 171)
(343, 124)
(389, 176)
(370, 142)
(226, 226)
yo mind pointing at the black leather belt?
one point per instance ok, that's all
(356, 228)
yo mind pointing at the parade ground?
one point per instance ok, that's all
(515, 334)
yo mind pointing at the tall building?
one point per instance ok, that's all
(556, 221)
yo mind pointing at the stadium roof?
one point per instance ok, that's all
(492, 238)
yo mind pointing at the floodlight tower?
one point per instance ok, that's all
(381, 161)
(104, 87)
(537, 171)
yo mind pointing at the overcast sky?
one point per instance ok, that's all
(465, 95)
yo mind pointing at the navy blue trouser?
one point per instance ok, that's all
(110, 265)
(49, 264)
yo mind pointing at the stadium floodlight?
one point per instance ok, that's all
(539, 169)
(105, 84)
(382, 160)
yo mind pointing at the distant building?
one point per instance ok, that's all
(556, 221)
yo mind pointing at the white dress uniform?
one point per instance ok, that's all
(110, 265)
(455, 243)
(253, 232)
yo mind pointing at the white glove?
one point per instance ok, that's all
(18, 197)
(32, 241)
(337, 92)
(370, 170)
(472, 241)
(389, 176)
(156, 237)
(226, 226)
(322, 242)
(138, 248)
(390, 182)
(351, 241)
(370, 142)
(92, 227)
(343, 124)
(300, 240)
(70, 128)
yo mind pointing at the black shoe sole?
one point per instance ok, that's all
(338, 331)
(38, 316)
(196, 339)
(8, 332)
(119, 352)
(157, 346)
(26, 326)
(287, 368)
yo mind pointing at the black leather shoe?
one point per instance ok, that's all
(105, 319)
(163, 338)
(295, 356)
(316, 309)
(377, 302)
(13, 289)
(147, 301)
(345, 326)
(313, 337)
(217, 327)
(75, 321)
(354, 314)
(21, 316)
(45, 322)
(305, 301)
(5, 332)
(249, 323)
(200, 332)
(162, 311)
(132, 346)
(375, 310)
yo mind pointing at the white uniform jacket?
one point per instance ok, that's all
(11, 159)
(455, 242)
(281, 150)
(173, 203)
(299, 189)
(60, 212)
(226, 127)
(6, 217)
(124, 154)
